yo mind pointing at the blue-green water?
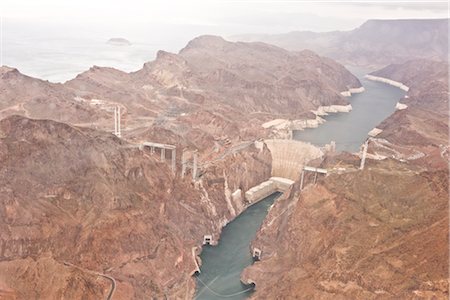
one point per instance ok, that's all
(223, 264)
(349, 130)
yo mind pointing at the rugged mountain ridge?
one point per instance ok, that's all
(237, 83)
(375, 43)
(77, 203)
(377, 233)
(421, 130)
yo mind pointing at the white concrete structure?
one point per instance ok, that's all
(195, 166)
(281, 184)
(260, 191)
(163, 148)
(207, 239)
(257, 254)
(267, 188)
(117, 130)
(311, 169)
(288, 156)
(236, 196)
(183, 163)
(388, 81)
(189, 160)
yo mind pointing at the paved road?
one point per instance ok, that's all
(113, 281)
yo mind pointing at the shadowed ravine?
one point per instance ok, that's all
(223, 264)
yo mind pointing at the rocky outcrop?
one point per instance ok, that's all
(78, 202)
(82, 203)
(351, 91)
(31, 97)
(388, 81)
(419, 132)
(214, 89)
(282, 128)
(367, 234)
(119, 42)
(357, 236)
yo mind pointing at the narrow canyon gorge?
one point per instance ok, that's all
(90, 212)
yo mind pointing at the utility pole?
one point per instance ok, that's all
(117, 131)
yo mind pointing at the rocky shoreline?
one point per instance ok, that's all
(345, 239)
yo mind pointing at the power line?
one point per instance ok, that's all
(221, 295)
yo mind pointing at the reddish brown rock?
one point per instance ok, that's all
(78, 203)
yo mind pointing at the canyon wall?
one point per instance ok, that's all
(377, 233)
(78, 202)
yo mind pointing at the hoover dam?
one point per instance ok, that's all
(223, 264)
(208, 168)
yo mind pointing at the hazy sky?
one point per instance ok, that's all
(57, 39)
(227, 17)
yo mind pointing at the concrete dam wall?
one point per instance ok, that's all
(267, 188)
(289, 157)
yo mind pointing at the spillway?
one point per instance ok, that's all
(223, 264)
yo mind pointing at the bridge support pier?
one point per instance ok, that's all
(163, 154)
(183, 163)
(163, 148)
(117, 121)
(194, 167)
(301, 180)
(174, 155)
(311, 169)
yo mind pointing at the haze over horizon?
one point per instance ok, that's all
(231, 149)
(58, 31)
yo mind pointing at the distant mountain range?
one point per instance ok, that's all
(374, 43)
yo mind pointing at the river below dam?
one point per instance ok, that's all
(223, 264)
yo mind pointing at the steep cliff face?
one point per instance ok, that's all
(211, 82)
(77, 203)
(377, 233)
(358, 236)
(374, 43)
(261, 77)
(418, 133)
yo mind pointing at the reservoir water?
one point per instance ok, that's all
(223, 264)
(349, 130)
